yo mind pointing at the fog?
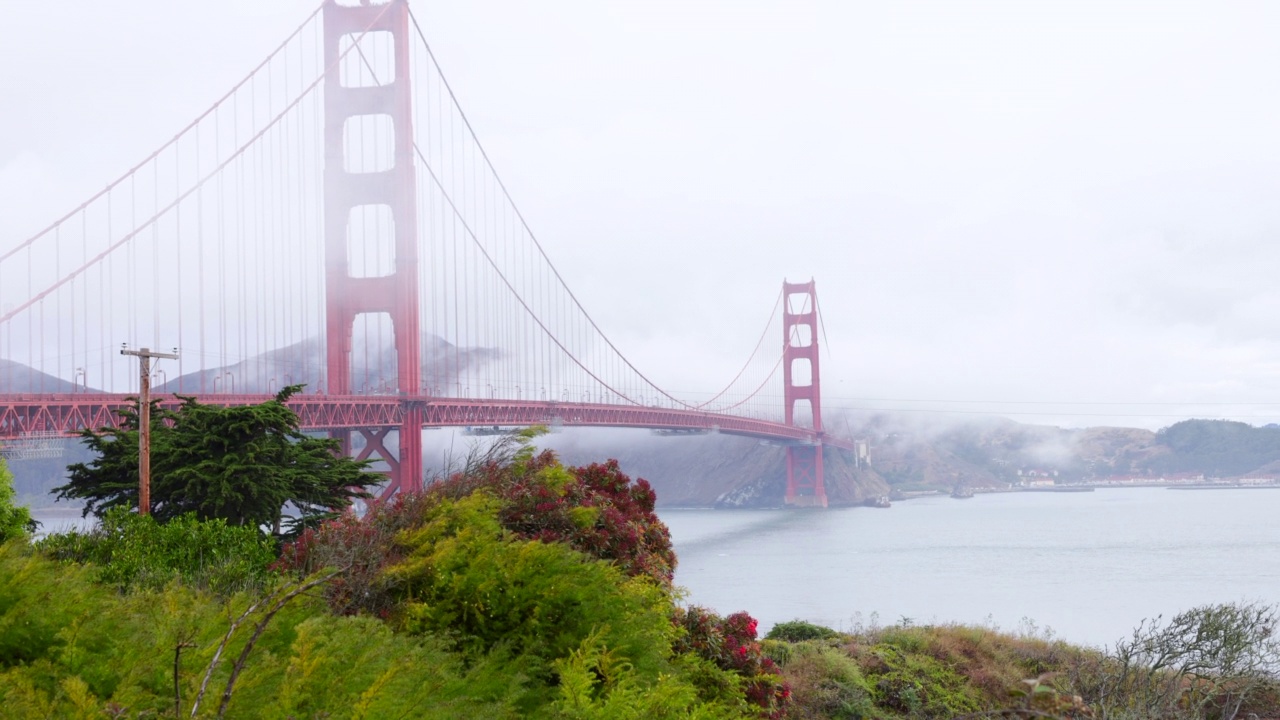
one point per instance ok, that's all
(1058, 212)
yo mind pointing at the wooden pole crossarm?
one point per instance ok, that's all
(144, 356)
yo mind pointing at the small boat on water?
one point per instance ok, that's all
(962, 493)
(880, 502)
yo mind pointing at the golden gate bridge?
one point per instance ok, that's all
(334, 221)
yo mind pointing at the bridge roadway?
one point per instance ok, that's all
(68, 414)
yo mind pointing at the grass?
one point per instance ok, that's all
(927, 671)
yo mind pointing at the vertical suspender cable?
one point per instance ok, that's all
(109, 302)
(177, 241)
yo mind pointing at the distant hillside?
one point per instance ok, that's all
(299, 364)
(16, 377)
(994, 452)
(906, 454)
(303, 364)
(1218, 448)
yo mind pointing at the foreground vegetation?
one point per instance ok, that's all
(518, 587)
(1209, 662)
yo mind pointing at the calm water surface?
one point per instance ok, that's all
(1089, 566)
(61, 519)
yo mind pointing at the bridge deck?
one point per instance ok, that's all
(68, 414)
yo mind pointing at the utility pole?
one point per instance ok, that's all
(144, 356)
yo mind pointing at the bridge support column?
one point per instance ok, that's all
(353, 180)
(411, 477)
(801, 385)
(804, 476)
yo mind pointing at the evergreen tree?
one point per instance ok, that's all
(241, 464)
(15, 521)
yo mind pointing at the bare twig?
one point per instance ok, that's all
(260, 628)
(213, 664)
(184, 642)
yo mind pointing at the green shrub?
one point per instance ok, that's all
(827, 684)
(596, 509)
(72, 648)
(595, 684)
(132, 551)
(15, 521)
(544, 604)
(905, 680)
(778, 651)
(554, 573)
(798, 631)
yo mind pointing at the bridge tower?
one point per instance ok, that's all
(801, 383)
(348, 106)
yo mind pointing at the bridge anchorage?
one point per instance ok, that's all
(333, 221)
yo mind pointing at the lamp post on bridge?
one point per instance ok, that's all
(144, 356)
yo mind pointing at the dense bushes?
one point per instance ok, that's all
(921, 672)
(71, 647)
(548, 608)
(485, 625)
(596, 509)
(564, 572)
(515, 588)
(1212, 662)
(798, 631)
(730, 644)
(128, 550)
(465, 579)
(519, 588)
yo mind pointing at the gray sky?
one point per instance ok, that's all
(1019, 204)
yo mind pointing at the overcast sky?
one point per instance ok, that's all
(1063, 212)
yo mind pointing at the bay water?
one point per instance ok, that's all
(1086, 567)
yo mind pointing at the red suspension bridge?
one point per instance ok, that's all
(334, 221)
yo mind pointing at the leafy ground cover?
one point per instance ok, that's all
(514, 588)
(518, 587)
(1215, 661)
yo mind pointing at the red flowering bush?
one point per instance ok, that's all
(362, 548)
(597, 509)
(730, 643)
(600, 512)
